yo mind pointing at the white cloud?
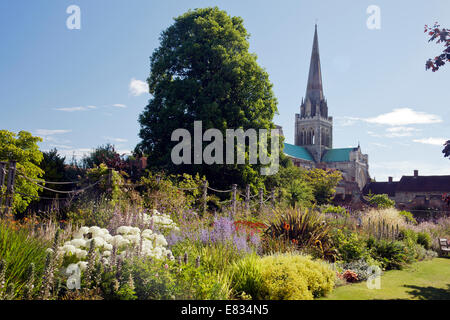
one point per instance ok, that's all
(49, 132)
(138, 87)
(119, 105)
(74, 109)
(404, 116)
(118, 140)
(395, 132)
(432, 141)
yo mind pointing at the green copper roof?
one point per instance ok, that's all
(297, 152)
(337, 155)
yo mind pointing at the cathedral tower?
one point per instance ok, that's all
(313, 127)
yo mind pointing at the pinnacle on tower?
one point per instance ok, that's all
(314, 89)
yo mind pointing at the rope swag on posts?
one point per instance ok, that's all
(11, 174)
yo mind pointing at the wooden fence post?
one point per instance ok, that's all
(247, 199)
(205, 195)
(261, 198)
(233, 201)
(10, 187)
(2, 181)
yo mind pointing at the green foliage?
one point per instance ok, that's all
(99, 155)
(336, 210)
(305, 228)
(19, 251)
(168, 281)
(324, 183)
(390, 254)
(381, 201)
(91, 212)
(349, 245)
(408, 216)
(294, 277)
(203, 71)
(112, 187)
(246, 276)
(299, 193)
(424, 239)
(23, 148)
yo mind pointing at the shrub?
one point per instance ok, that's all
(307, 229)
(295, 277)
(349, 246)
(391, 254)
(381, 201)
(408, 216)
(424, 239)
(359, 267)
(336, 210)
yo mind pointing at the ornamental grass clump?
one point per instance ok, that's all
(18, 250)
(307, 229)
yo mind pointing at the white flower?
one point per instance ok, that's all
(147, 233)
(95, 231)
(84, 230)
(77, 243)
(123, 230)
(49, 250)
(107, 237)
(82, 265)
(106, 253)
(133, 238)
(81, 254)
(68, 248)
(160, 240)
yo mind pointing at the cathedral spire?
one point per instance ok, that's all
(314, 90)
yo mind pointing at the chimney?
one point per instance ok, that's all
(390, 179)
(416, 173)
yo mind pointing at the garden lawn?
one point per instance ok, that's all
(426, 280)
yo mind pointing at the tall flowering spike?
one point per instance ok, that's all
(10, 293)
(2, 278)
(47, 279)
(197, 262)
(56, 240)
(91, 263)
(29, 286)
(130, 281)
(185, 258)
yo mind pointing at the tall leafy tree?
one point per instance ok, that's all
(446, 150)
(23, 148)
(440, 35)
(203, 71)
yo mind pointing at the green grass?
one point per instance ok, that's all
(426, 280)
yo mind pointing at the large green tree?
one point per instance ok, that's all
(23, 148)
(203, 71)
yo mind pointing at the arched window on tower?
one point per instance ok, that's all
(313, 137)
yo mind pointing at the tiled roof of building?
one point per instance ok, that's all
(388, 188)
(424, 184)
(297, 152)
(338, 155)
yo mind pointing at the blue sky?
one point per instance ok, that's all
(82, 88)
